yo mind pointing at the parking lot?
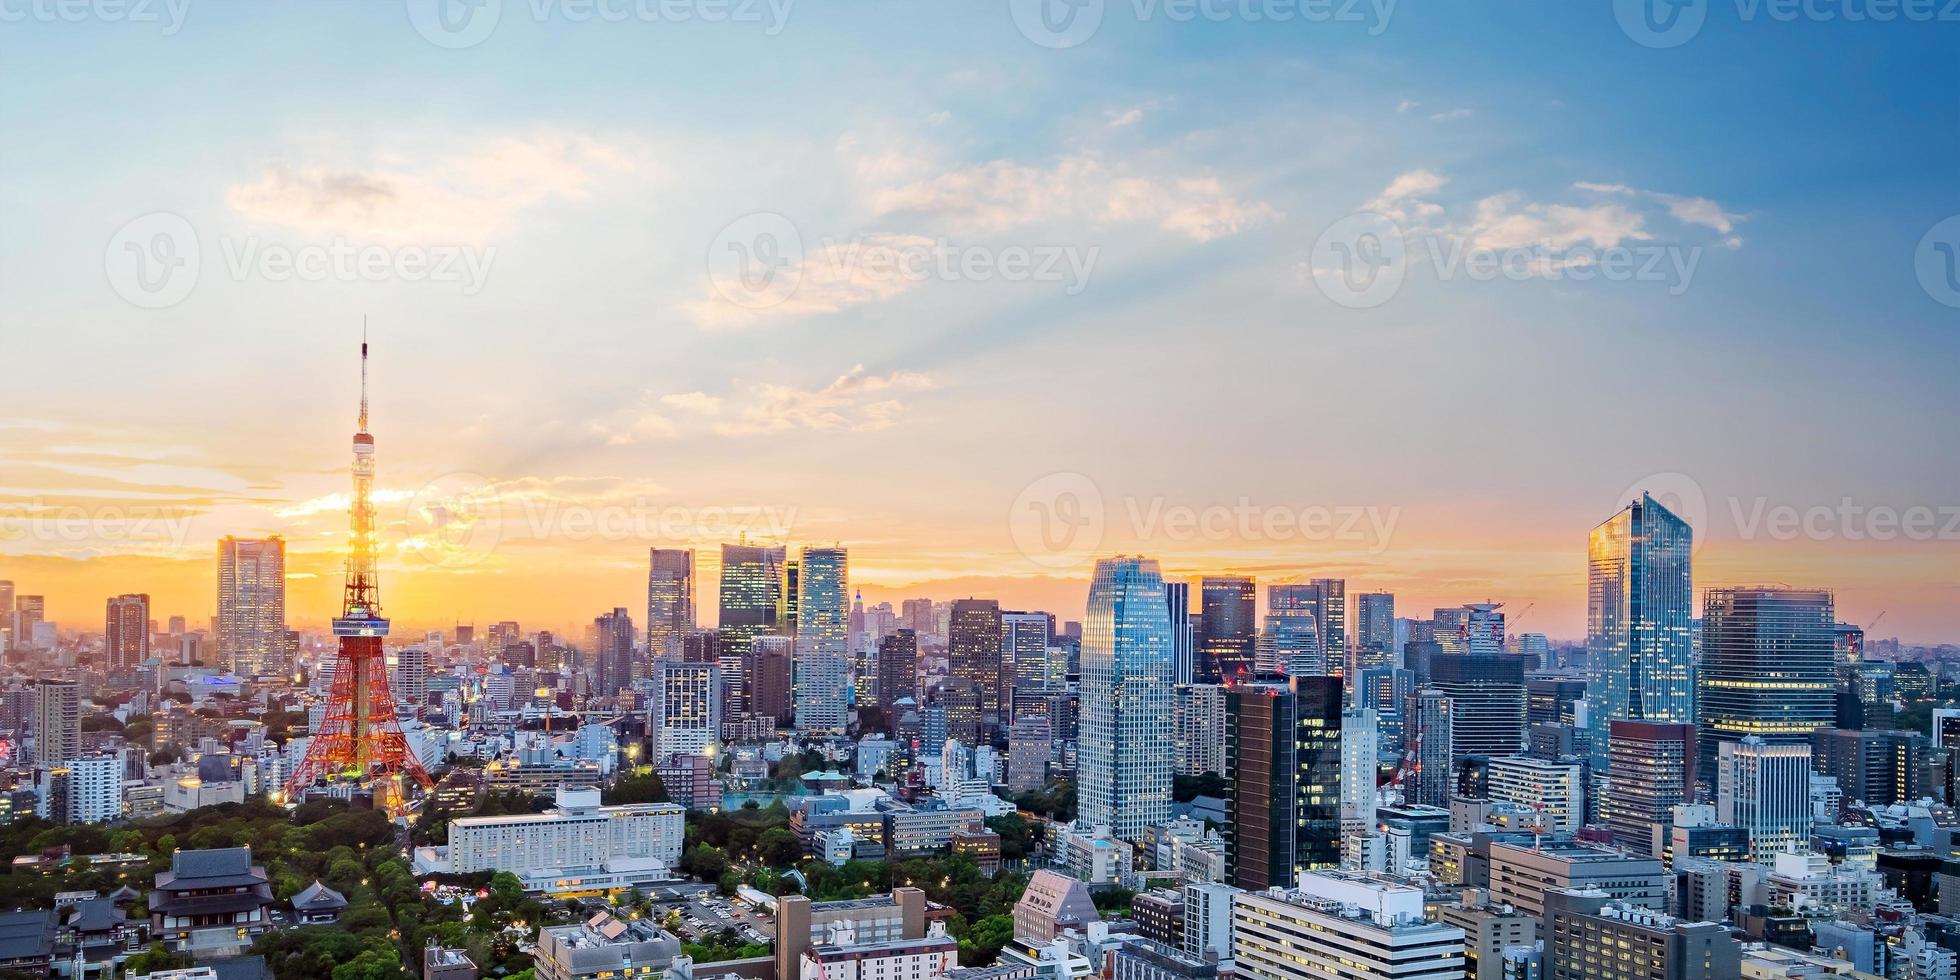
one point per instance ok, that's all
(707, 914)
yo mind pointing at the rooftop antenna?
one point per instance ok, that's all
(364, 355)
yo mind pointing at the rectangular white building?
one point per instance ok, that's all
(1765, 790)
(1338, 924)
(578, 840)
(1557, 790)
(687, 707)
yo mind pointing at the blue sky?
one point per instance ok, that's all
(594, 165)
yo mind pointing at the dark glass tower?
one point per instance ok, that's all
(1283, 751)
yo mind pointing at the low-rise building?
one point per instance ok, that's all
(1337, 924)
(604, 947)
(210, 903)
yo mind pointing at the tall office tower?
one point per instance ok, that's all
(1450, 628)
(1766, 666)
(1651, 771)
(917, 615)
(823, 609)
(126, 632)
(1226, 627)
(750, 589)
(7, 634)
(1639, 620)
(1374, 631)
(1330, 608)
(1123, 772)
(1360, 765)
(898, 668)
(1024, 663)
(788, 591)
(670, 598)
(1429, 725)
(500, 635)
(1386, 691)
(1293, 627)
(1847, 645)
(1184, 632)
(1765, 790)
(1283, 749)
(251, 601)
(412, 677)
(1553, 699)
(30, 611)
(1487, 701)
(1483, 628)
(687, 706)
(1878, 767)
(772, 678)
(1198, 711)
(612, 652)
(57, 722)
(973, 653)
(1535, 649)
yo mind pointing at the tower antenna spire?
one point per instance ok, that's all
(364, 352)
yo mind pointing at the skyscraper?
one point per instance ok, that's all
(251, 602)
(612, 654)
(1766, 666)
(670, 597)
(973, 653)
(1330, 608)
(751, 585)
(57, 722)
(823, 609)
(1184, 636)
(1027, 672)
(1226, 626)
(1639, 620)
(1293, 627)
(1360, 764)
(1283, 748)
(126, 633)
(898, 668)
(1124, 772)
(1765, 790)
(1651, 770)
(1486, 692)
(1374, 630)
(1429, 728)
(687, 706)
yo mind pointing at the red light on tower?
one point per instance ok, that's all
(360, 740)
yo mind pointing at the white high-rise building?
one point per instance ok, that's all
(604, 846)
(1208, 921)
(1557, 790)
(1765, 790)
(687, 705)
(83, 790)
(966, 775)
(1360, 762)
(1124, 774)
(251, 603)
(411, 686)
(823, 635)
(1338, 924)
(1198, 714)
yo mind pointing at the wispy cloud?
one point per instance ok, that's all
(461, 197)
(854, 402)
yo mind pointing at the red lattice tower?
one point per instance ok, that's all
(360, 739)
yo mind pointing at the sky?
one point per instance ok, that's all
(1412, 295)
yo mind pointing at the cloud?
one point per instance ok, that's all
(1128, 117)
(464, 197)
(694, 402)
(1701, 211)
(999, 194)
(1406, 104)
(830, 278)
(854, 402)
(1451, 115)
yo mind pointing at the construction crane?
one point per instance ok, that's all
(1410, 762)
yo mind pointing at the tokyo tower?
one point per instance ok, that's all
(360, 740)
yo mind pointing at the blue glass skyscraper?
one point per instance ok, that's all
(1639, 620)
(1124, 777)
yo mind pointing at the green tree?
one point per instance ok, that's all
(779, 848)
(984, 939)
(372, 964)
(507, 889)
(636, 789)
(153, 959)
